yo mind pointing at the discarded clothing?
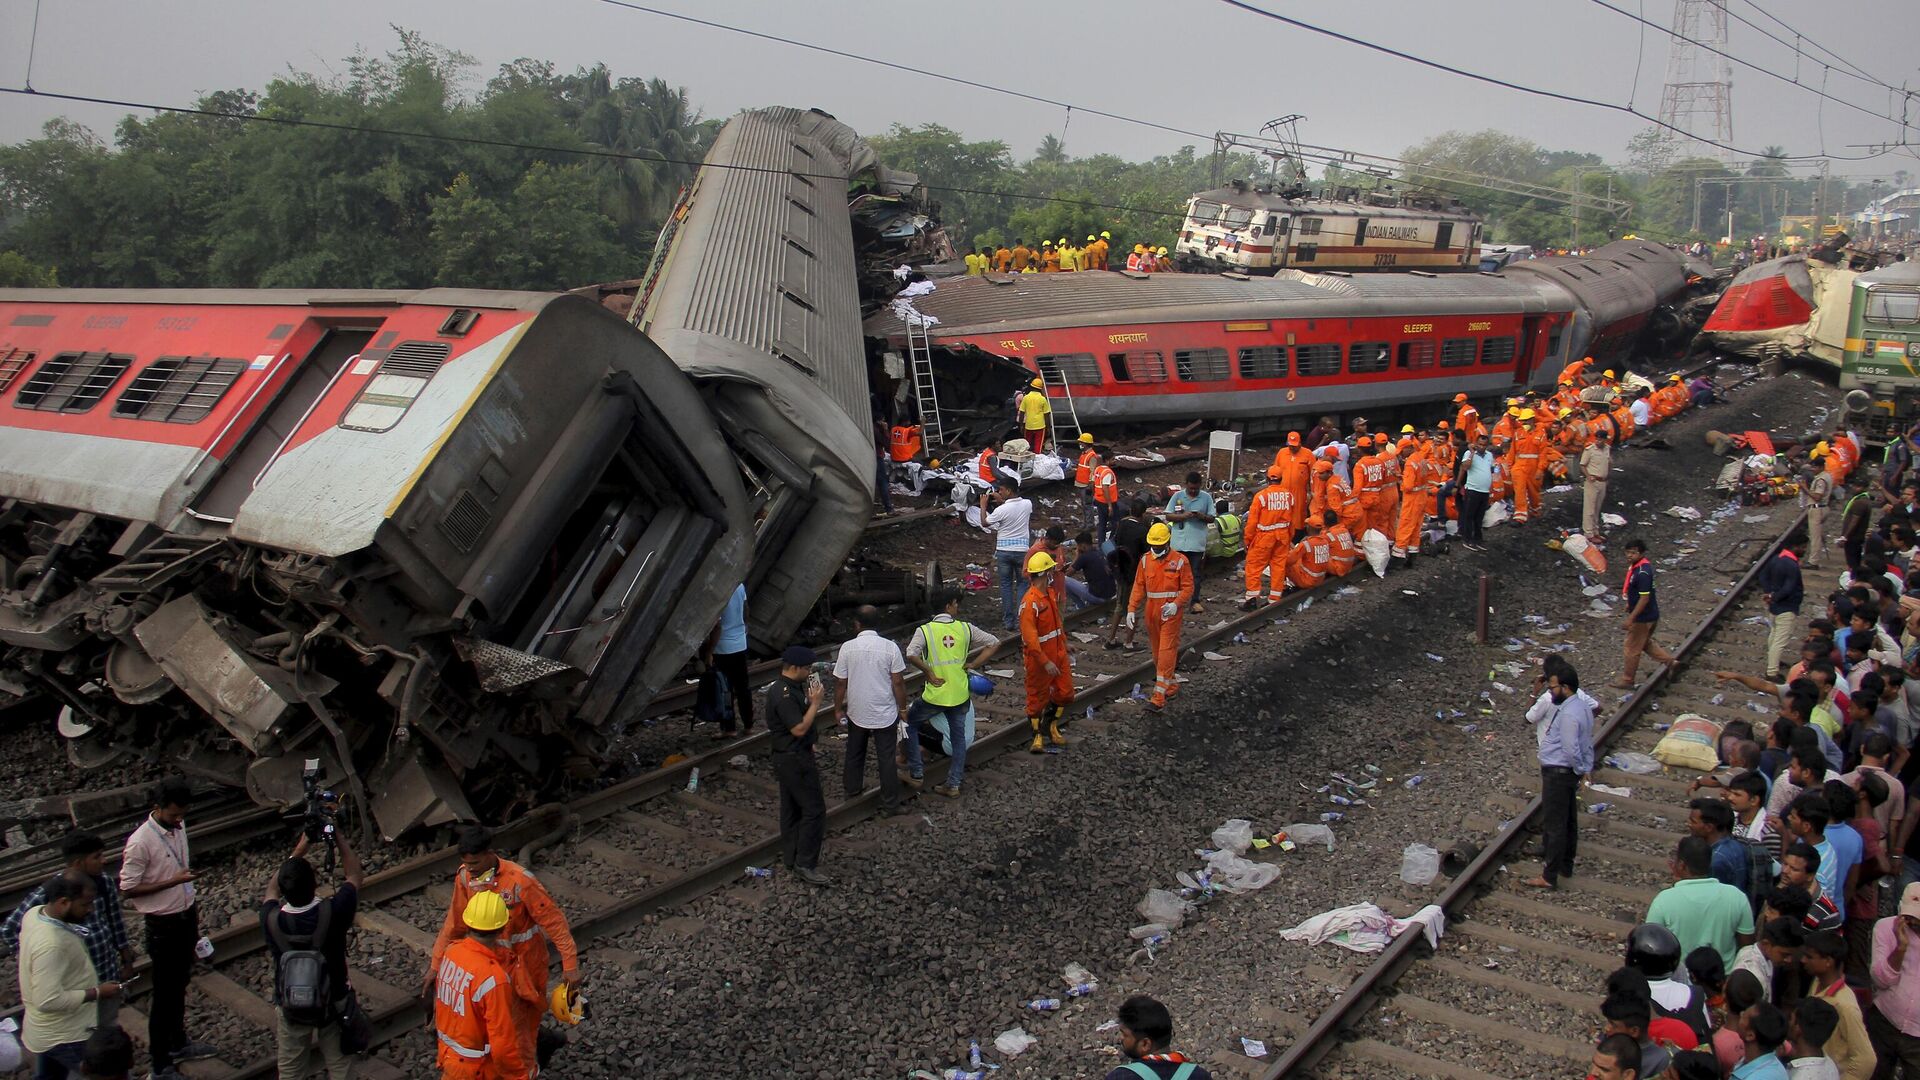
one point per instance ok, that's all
(1365, 928)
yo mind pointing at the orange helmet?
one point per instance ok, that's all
(1323, 465)
(1275, 472)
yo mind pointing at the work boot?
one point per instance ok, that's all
(1039, 744)
(1053, 732)
(1249, 603)
(1157, 702)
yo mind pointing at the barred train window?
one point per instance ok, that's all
(1201, 365)
(1368, 357)
(72, 382)
(1498, 350)
(1075, 368)
(1314, 360)
(1458, 352)
(1416, 355)
(178, 389)
(1263, 362)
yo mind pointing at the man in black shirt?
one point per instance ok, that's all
(1129, 547)
(792, 703)
(1146, 1038)
(291, 915)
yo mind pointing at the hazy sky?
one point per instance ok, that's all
(1194, 64)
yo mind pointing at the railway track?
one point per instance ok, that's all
(646, 845)
(1518, 977)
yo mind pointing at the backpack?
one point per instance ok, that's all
(1146, 1072)
(1693, 1014)
(303, 990)
(1759, 857)
(713, 700)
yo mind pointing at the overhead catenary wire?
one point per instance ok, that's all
(1743, 62)
(1556, 95)
(1856, 72)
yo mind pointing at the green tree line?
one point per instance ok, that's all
(225, 201)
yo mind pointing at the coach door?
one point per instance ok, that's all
(1530, 350)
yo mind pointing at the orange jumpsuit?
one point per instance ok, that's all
(1504, 427)
(1341, 552)
(1317, 493)
(1298, 478)
(1269, 529)
(1841, 459)
(1342, 501)
(1623, 421)
(1528, 444)
(1045, 639)
(533, 920)
(473, 1014)
(1416, 496)
(1468, 420)
(1162, 580)
(1370, 476)
(1311, 557)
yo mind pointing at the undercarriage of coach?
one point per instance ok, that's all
(136, 638)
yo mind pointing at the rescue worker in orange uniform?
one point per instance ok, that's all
(1096, 252)
(1509, 422)
(1022, 255)
(1269, 532)
(989, 470)
(1163, 584)
(1842, 456)
(1529, 442)
(1341, 552)
(1049, 258)
(1083, 476)
(473, 983)
(1417, 486)
(1467, 419)
(1622, 412)
(1049, 669)
(1312, 555)
(533, 921)
(1133, 258)
(1339, 495)
(1370, 481)
(1002, 259)
(1570, 375)
(1298, 463)
(1106, 500)
(1317, 488)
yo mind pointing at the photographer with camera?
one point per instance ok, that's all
(307, 937)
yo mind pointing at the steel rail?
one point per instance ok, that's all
(1403, 950)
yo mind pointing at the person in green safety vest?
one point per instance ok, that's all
(1224, 540)
(944, 649)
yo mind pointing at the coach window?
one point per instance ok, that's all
(1204, 212)
(1138, 367)
(1360, 233)
(1891, 306)
(12, 363)
(1078, 369)
(1497, 350)
(1368, 357)
(1236, 217)
(71, 382)
(1201, 365)
(1263, 362)
(1305, 252)
(1458, 352)
(399, 381)
(1310, 226)
(1416, 355)
(177, 389)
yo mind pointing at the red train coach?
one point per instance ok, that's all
(1148, 348)
(437, 539)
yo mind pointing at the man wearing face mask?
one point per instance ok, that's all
(1049, 670)
(1163, 583)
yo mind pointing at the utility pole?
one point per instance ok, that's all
(1698, 98)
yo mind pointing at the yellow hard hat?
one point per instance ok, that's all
(1063, 240)
(1040, 562)
(1820, 451)
(1139, 249)
(1675, 377)
(1037, 384)
(486, 912)
(1087, 437)
(1089, 237)
(568, 1005)
(1526, 414)
(1046, 243)
(1607, 374)
(1161, 251)
(1406, 429)
(1513, 401)
(1513, 409)
(1159, 534)
(1104, 235)
(1564, 413)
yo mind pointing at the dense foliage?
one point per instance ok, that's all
(218, 200)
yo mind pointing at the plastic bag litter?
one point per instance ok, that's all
(1214, 656)
(1595, 591)
(1235, 836)
(1013, 1042)
(1609, 789)
(1685, 513)
(1165, 908)
(1378, 550)
(1419, 864)
(1147, 931)
(1077, 975)
(1613, 520)
(738, 761)
(1236, 874)
(1304, 834)
(1576, 546)
(1632, 761)
(10, 1053)
(1495, 514)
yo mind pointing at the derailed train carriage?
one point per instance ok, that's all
(443, 541)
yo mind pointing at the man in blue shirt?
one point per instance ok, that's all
(1643, 613)
(1762, 1028)
(1475, 481)
(1780, 582)
(1566, 756)
(1712, 820)
(726, 652)
(1849, 847)
(1807, 820)
(1189, 512)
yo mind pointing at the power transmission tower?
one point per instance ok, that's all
(1698, 98)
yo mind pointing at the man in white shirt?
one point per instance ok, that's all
(1011, 522)
(1641, 411)
(871, 692)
